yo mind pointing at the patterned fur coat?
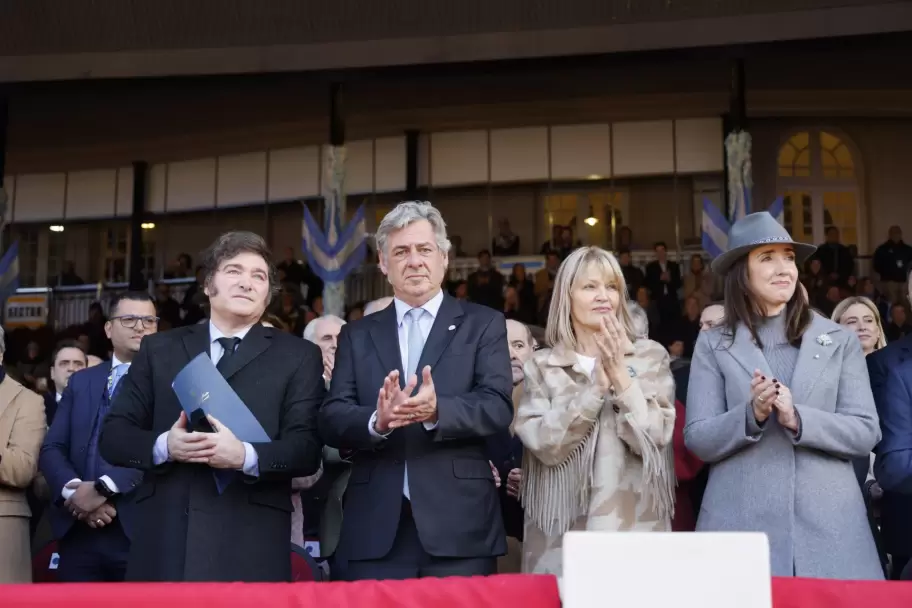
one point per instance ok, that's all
(594, 460)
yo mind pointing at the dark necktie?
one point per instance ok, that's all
(229, 345)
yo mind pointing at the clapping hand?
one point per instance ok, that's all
(785, 408)
(763, 393)
(390, 398)
(613, 343)
(423, 406)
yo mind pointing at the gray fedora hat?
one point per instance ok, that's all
(752, 231)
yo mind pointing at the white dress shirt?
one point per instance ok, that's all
(251, 464)
(67, 492)
(425, 323)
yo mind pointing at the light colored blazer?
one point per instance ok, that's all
(22, 429)
(800, 490)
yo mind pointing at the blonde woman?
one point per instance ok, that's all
(596, 414)
(861, 315)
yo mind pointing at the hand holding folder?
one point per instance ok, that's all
(203, 392)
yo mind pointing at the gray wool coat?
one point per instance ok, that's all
(802, 492)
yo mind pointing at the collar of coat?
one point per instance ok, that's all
(564, 356)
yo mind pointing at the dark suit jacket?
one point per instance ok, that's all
(890, 370)
(64, 453)
(654, 280)
(453, 497)
(186, 530)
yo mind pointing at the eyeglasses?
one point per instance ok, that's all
(130, 321)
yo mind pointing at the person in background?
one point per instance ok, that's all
(32, 366)
(22, 429)
(633, 276)
(92, 360)
(544, 285)
(167, 308)
(191, 523)
(890, 370)
(67, 359)
(596, 415)
(486, 285)
(859, 314)
(422, 499)
(506, 243)
(91, 500)
(525, 291)
(816, 282)
(652, 312)
(868, 289)
(892, 261)
(324, 332)
(712, 316)
(663, 278)
(835, 258)
(506, 452)
(639, 319)
(699, 283)
(778, 401)
(898, 327)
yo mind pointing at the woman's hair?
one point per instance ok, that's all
(560, 324)
(843, 306)
(742, 306)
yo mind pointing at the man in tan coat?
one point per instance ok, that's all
(22, 430)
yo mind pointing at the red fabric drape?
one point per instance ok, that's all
(490, 592)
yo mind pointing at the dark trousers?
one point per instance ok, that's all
(899, 564)
(90, 555)
(408, 559)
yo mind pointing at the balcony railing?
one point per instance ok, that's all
(69, 306)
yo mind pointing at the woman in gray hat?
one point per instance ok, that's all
(779, 403)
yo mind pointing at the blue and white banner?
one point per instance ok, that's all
(339, 249)
(777, 210)
(715, 230)
(9, 271)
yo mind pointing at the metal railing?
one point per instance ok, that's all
(69, 306)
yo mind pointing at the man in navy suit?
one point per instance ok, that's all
(416, 391)
(890, 370)
(67, 359)
(91, 503)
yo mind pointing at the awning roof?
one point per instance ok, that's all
(50, 39)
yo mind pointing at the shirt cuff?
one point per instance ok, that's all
(110, 483)
(430, 426)
(373, 431)
(160, 454)
(67, 492)
(251, 461)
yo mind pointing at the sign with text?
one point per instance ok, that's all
(26, 310)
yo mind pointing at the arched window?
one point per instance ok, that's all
(818, 176)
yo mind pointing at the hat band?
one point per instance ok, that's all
(772, 239)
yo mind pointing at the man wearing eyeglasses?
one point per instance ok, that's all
(91, 510)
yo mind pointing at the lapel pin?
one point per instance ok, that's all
(816, 356)
(824, 340)
(451, 327)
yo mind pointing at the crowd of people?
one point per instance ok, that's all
(441, 432)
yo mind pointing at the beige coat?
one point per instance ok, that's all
(22, 430)
(594, 461)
